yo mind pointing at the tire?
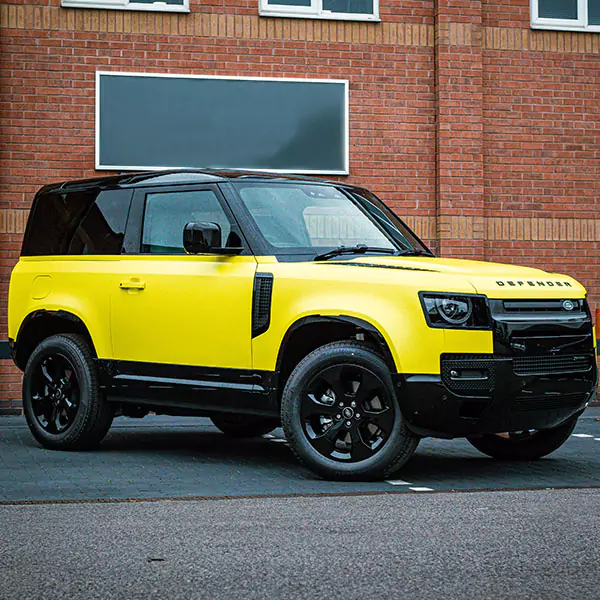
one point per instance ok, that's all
(243, 426)
(524, 445)
(366, 445)
(63, 405)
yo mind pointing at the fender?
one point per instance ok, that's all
(76, 325)
(355, 322)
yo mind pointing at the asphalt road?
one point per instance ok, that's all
(82, 526)
(163, 457)
(526, 544)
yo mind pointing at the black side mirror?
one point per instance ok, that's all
(201, 237)
(206, 238)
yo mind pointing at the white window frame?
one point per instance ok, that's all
(315, 11)
(346, 149)
(579, 24)
(127, 5)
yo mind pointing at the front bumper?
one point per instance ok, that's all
(516, 402)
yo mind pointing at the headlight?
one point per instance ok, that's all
(455, 311)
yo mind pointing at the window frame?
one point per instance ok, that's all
(579, 24)
(315, 11)
(127, 5)
(100, 166)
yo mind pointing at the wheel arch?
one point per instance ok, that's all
(41, 324)
(311, 332)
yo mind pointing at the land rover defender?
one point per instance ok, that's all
(259, 300)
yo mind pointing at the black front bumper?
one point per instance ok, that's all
(516, 403)
(542, 372)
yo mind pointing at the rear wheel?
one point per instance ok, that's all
(524, 445)
(241, 426)
(61, 399)
(341, 416)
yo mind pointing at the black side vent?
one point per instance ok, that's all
(261, 303)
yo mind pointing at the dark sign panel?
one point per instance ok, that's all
(148, 121)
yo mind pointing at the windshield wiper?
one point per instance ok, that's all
(358, 249)
(414, 252)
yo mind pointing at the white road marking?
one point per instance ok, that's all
(582, 435)
(397, 482)
(421, 489)
(597, 439)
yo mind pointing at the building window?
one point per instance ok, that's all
(150, 5)
(576, 15)
(349, 10)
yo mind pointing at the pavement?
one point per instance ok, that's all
(527, 544)
(167, 457)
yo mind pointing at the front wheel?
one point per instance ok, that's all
(524, 445)
(341, 416)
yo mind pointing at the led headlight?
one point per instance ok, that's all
(456, 311)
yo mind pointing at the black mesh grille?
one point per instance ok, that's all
(475, 375)
(547, 365)
(525, 403)
(261, 303)
(536, 306)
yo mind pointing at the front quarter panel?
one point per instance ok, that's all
(386, 299)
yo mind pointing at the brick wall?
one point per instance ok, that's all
(483, 133)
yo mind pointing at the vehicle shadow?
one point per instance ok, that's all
(450, 464)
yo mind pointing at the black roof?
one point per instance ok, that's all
(175, 177)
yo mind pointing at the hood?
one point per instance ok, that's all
(495, 280)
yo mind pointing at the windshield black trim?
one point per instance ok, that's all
(376, 266)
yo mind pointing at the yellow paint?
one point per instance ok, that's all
(196, 310)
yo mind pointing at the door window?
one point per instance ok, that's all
(167, 213)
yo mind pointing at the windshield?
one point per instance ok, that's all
(311, 219)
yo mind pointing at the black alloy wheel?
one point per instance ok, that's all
(54, 393)
(341, 416)
(62, 401)
(529, 444)
(347, 413)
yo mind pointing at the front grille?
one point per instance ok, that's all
(550, 402)
(543, 306)
(552, 364)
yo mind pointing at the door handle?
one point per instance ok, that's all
(132, 284)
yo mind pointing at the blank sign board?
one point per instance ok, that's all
(150, 121)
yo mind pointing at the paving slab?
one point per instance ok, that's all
(168, 457)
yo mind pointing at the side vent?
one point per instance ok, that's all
(261, 303)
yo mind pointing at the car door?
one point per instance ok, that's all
(171, 309)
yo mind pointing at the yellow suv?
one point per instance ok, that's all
(261, 300)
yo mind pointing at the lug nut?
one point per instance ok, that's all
(338, 417)
(341, 404)
(357, 415)
(353, 404)
(348, 423)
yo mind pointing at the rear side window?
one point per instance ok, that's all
(167, 213)
(102, 229)
(77, 223)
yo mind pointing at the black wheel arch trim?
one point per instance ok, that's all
(359, 324)
(60, 314)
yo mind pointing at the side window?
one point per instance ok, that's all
(167, 213)
(102, 229)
